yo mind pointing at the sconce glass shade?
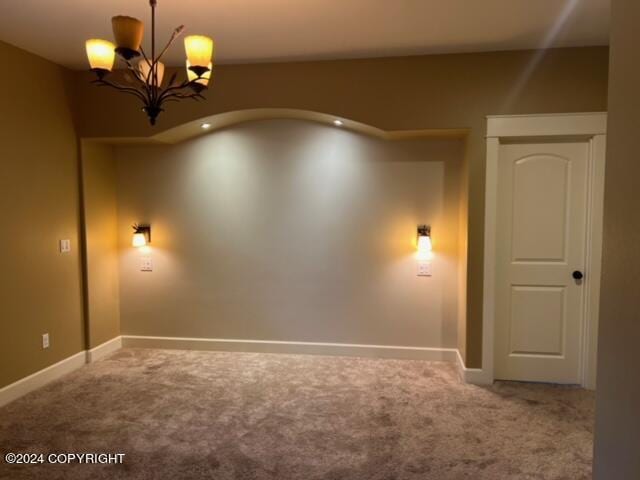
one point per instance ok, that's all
(144, 68)
(128, 32)
(199, 50)
(139, 240)
(204, 79)
(101, 54)
(424, 244)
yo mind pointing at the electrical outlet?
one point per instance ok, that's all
(45, 340)
(146, 264)
(424, 269)
(65, 246)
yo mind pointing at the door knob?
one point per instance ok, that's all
(577, 274)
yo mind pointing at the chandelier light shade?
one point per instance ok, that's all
(128, 33)
(199, 50)
(101, 54)
(145, 73)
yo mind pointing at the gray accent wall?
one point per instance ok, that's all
(291, 231)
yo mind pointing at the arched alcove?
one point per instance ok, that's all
(284, 204)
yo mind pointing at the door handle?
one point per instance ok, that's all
(577, 275)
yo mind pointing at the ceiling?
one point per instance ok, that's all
(288, 30)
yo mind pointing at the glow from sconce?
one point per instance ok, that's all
(205, 126)
(338, 123)
(425, 247)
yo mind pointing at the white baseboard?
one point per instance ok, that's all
(475, 376)
(104, 349)
(41, 378)
(275, 346)
(53, 372)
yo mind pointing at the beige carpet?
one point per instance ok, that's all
(196, 415)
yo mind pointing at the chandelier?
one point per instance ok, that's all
(145, 73)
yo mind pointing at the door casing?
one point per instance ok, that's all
(590, 127)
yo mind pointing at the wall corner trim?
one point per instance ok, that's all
(104, 349)
(474, 376)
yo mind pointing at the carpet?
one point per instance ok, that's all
(221, 415)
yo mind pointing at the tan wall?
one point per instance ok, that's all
(101, 240)
(40, 289)
(439, 91)
(617, 434)
(290, 230)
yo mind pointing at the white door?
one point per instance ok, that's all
(540, 247)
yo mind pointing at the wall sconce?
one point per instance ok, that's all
(141, 235)
(424, 239)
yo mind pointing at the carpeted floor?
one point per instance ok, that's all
(197, 415)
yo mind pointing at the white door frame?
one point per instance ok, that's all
(591, 127)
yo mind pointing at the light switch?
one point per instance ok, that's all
(146, 264)
(45, 340)
(424, 269)
(65, 246)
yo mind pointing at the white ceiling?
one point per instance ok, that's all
(267, 30)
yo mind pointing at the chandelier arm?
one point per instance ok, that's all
(172, 80)
(122, 88)
(136, 71)
(148, 91)
(180, 96)
(143, 91)
(144, 55)
(167, 92)
(176, 33)
(124, 91)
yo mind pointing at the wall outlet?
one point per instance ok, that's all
(45, 340)
(424, 269)
(65, 246)
(146, 264)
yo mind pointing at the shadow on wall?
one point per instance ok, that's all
(293, 231)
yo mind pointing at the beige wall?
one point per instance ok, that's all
(290, 230)
(40, 289)
(438, 91)
(101, 242)
(617, 434)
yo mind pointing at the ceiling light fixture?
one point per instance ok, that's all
(145, 74)
(205, 126)
(338, 123)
